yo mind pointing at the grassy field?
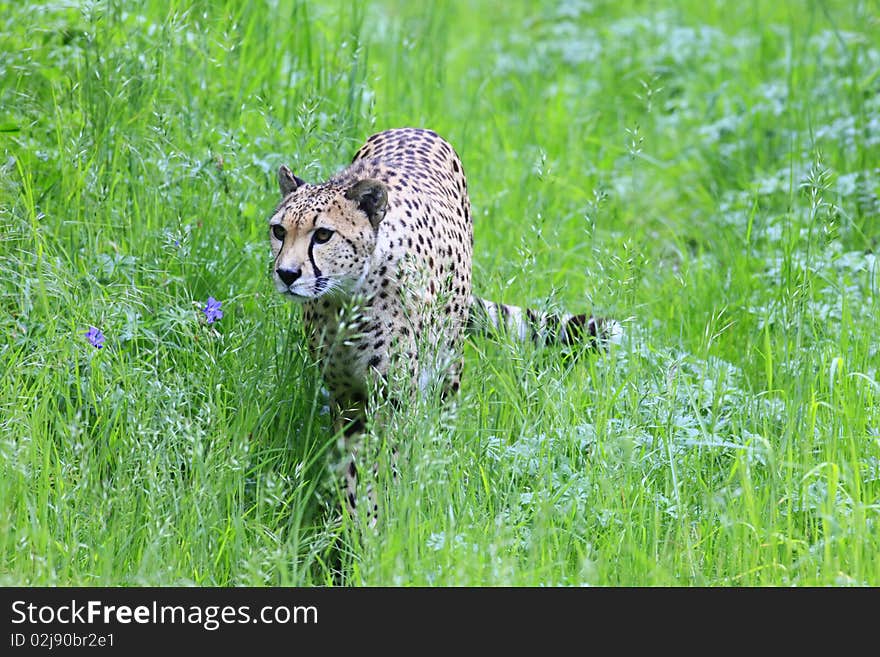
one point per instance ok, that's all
(706, 171)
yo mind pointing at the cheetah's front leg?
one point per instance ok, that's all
(349, 421)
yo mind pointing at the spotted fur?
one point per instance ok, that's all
(380, 258)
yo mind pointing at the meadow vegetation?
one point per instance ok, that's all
(706, 171)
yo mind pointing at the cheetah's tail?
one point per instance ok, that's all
(488, 317)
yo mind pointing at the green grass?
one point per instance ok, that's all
(705, 170)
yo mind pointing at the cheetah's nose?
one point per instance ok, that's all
(288, 276)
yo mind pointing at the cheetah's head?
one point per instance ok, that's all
(322, 236)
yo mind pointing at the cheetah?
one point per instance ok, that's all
(379, 257)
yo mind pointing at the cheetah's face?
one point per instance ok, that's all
(322, 236)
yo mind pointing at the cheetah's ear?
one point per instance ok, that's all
(287, 181)
(371, 196)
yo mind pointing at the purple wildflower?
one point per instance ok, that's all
(95, 337)
(212, 310)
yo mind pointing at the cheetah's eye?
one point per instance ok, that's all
(322, 235)
(278, 232)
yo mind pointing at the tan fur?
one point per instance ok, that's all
(389, 291)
